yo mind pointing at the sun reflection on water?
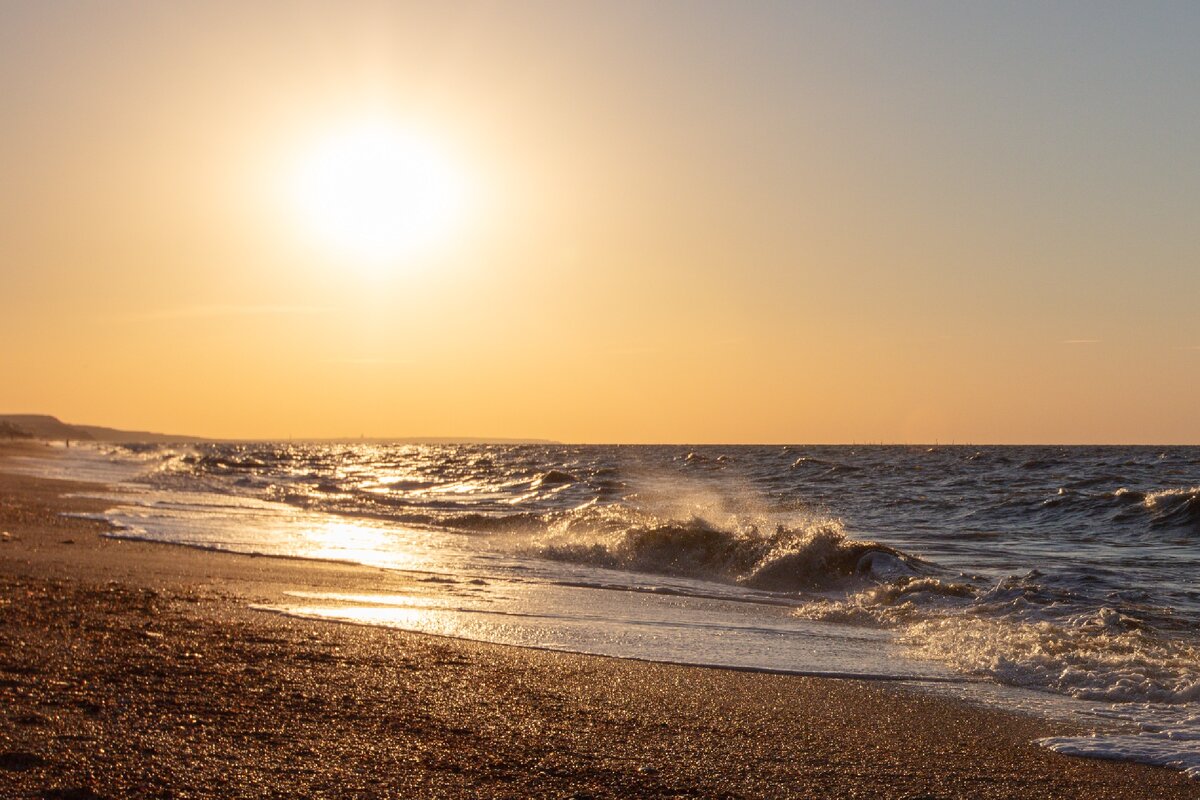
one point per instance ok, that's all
(348, 541)
(412, 612)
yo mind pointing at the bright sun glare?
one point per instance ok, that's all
(377, 194)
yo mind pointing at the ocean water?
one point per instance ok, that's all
(1056, 580)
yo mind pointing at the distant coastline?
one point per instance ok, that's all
(46, 426)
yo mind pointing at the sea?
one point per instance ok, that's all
(1055, 581)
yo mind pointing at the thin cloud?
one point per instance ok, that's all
(209, 311)
(691, 348)
(370, 362)
(646, 350)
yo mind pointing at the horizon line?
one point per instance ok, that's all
(472, 439)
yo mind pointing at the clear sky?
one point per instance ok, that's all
(662, 222)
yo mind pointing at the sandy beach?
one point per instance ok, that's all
(139, 670)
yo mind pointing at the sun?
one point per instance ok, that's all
(376, 193)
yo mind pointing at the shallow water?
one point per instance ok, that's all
(1063, 579)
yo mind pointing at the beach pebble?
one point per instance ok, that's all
(19, 760)
(73, 793)
(32, 719)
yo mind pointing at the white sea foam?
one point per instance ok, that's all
(1167, 736)
(1085, 662)
(91, 463)
(1028, 638)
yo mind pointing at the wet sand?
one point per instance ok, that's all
(138, 670)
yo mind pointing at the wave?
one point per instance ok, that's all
(1042, 463)
(1024, 631)
(694, 459)
(815, 557)
(1164, 509)
(828, 466)
(1174, 508)
(554, 477)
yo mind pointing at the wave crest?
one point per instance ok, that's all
(817, 556)
(1175, 508)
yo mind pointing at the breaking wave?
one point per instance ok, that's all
(1161, 510)
(1175, 508)
(1022, 631)
(815, 557)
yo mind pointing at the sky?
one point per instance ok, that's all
(668, 222)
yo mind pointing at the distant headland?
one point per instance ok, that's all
(46, 426)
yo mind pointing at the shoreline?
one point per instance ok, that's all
(133, 669)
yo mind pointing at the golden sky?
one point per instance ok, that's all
(672, 222)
